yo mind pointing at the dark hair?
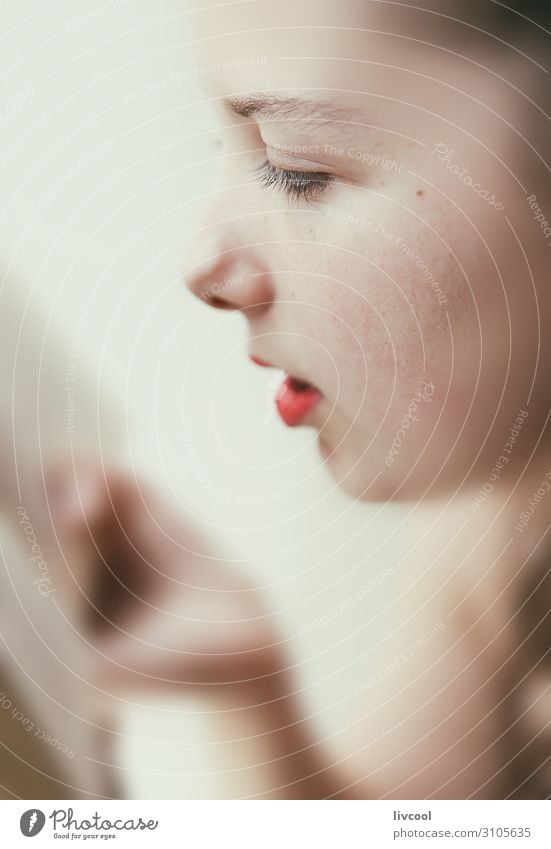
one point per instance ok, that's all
(536, 13)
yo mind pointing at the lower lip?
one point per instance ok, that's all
(295, 400)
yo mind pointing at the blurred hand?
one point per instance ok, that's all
(161, 610)
(156, 603)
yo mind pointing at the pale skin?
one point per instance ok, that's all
(332, 299)
(335, 301)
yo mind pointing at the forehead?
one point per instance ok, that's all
(344, 45)
(272, 22)
(271, 44)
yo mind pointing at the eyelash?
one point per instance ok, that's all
(297, 185)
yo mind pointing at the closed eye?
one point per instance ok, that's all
(306, 185)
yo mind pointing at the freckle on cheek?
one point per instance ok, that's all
(420, 193)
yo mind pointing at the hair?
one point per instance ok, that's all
(519, 23)
(523, 12)
(524, 25)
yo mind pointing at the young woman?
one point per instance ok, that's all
(383, 226)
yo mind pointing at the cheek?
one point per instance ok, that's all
(391, 308)
(384, 331)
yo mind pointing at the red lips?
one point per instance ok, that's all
(257, 361)
(295, 398)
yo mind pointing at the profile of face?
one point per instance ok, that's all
(374, 229)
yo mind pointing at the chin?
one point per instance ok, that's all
(357, 479)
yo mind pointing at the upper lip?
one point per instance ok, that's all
(297, 375)
(260, 362)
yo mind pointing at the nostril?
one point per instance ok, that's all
(219, 303)
(232, 281)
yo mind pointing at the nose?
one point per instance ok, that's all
(229, 277)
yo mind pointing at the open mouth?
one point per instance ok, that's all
(294, 398)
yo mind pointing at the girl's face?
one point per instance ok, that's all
(374, 228)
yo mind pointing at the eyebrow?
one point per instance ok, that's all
(287, 108)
